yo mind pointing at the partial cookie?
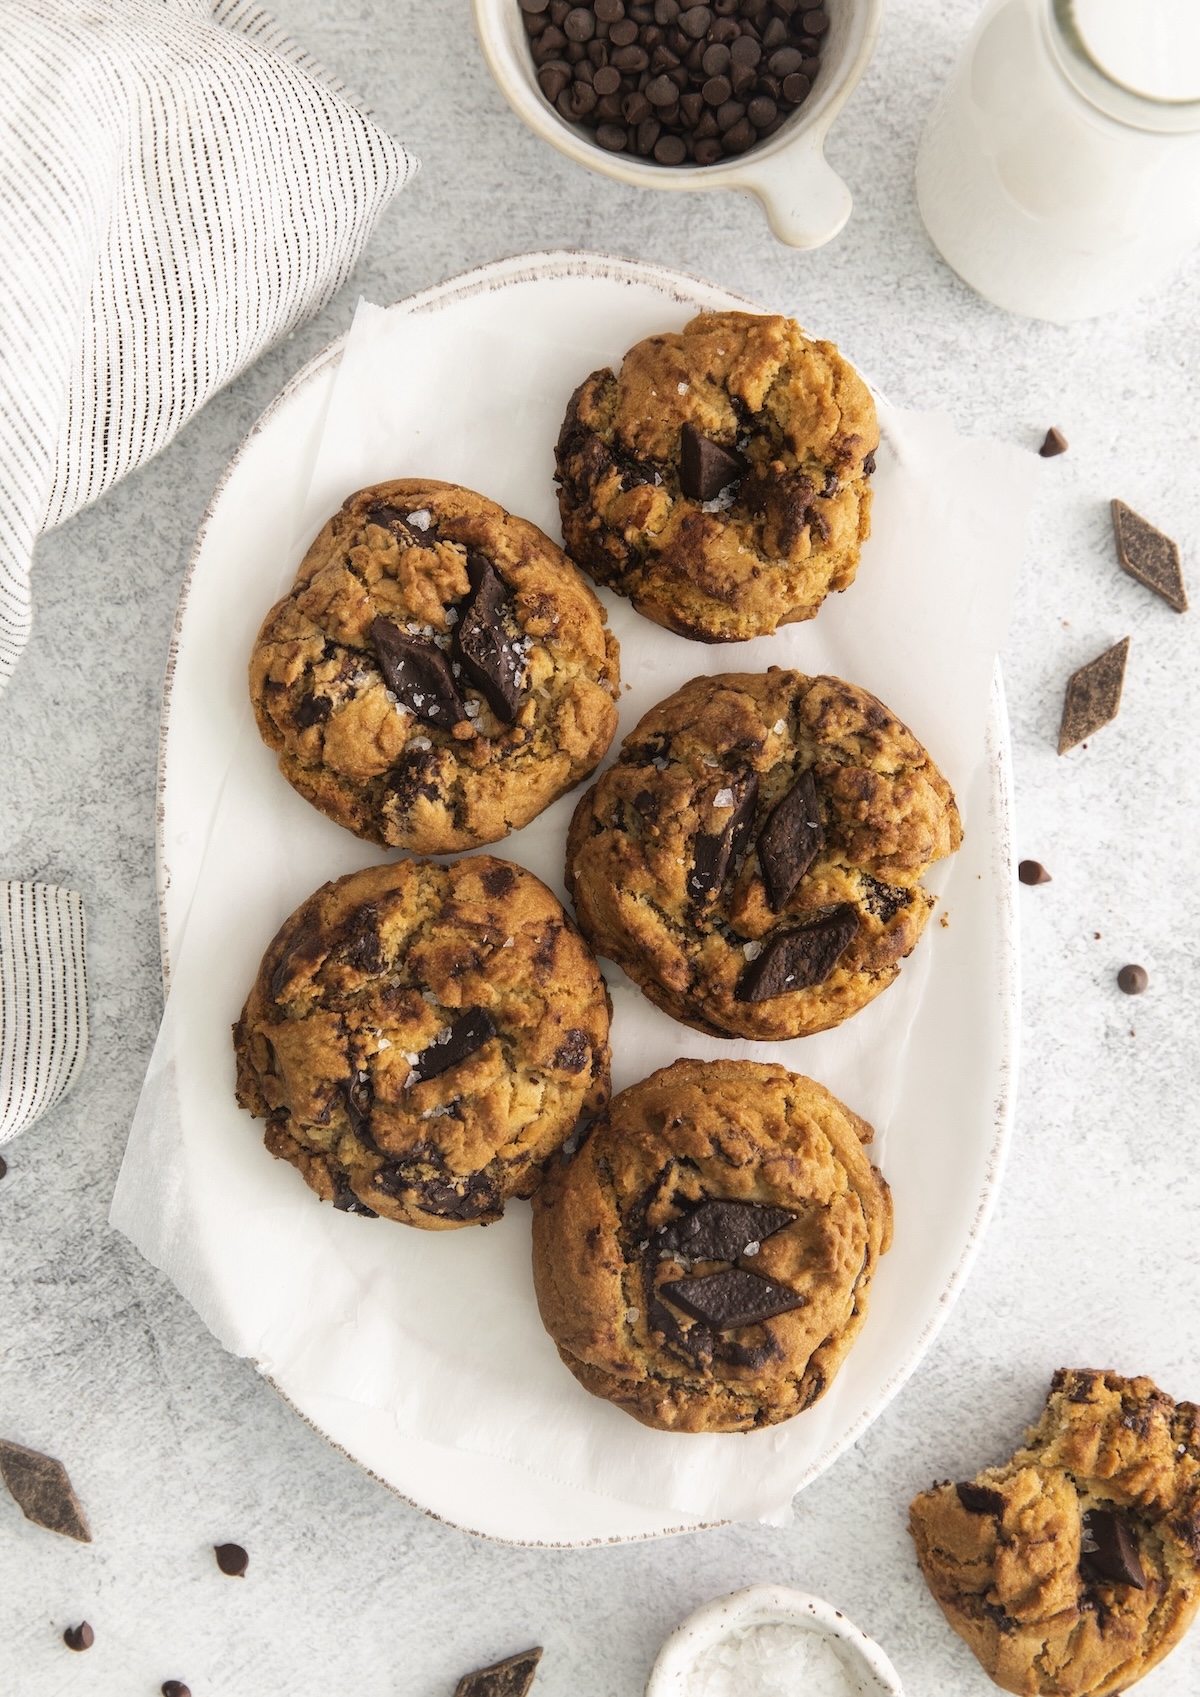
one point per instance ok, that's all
(721, 479)
(439, 672)
(1072, 1569)
(753, 859)
(704, 1260)
(419, 1039)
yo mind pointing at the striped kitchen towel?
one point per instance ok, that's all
(180, 185)
(43, 1000)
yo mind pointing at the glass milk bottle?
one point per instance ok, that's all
(1060, 171)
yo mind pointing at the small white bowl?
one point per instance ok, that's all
(868, 1671)
(805, 201)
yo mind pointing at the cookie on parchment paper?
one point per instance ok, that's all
(419, 1038)
(721, 479)
(703, 1261)
(438, 673)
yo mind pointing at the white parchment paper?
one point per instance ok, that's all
(441, 1329)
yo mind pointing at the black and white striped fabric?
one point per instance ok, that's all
(43, 1000)
(180, 185)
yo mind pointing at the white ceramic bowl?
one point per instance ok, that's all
(806, 202)
(868, 1671)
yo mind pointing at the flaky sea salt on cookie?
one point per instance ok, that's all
(419, 1038)
(704, 1260)
(721, 479)
(439, 672)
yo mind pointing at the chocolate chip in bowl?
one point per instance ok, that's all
(691, 94)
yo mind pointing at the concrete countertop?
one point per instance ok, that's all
(1092, 1258)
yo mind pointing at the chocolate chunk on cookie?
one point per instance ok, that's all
(419, 1038)
(1074, 1568)
(439, 672)
(647, 1277)
(753, 859)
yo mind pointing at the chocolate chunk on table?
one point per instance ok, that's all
(1133, 980)
(705, 467)
(42, 1491)
(1033, 872)
(790, 841)
(174, 1688)
(475, 1028)
(418, 675)
(979, 1499)
(1108, 1550)
(1149, 556)
(511, 1678)
(79, 1637)
(721, 1231)
(724, 1301)
(232, 1560)
(715, 851)
(483, 646)
(1055, 443)
(800, 957)
(1093, 696)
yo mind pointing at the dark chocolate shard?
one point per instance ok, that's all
(1149, 556)
(724, 1301)
(483, 647)
(468, 1033)
(1093, 696)
(42, 1491)
(358, 1095)
(511, 1678)
(418, 675)
(345, 1200)
(705, 467)
(391, 518)
(790, 841)
(721, 1231)
(716, 851)
(1109, 1551)
(979, 1499)
(1053, 443)
(312, 710)
(798, 958)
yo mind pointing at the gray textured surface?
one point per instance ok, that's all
(1092, 1257)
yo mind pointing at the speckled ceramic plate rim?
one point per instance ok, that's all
(687, 291)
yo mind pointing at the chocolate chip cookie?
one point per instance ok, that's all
(1074, 1568)
(704, 1260)
(753, 859)
(419, 1039)
(438, 673)
(721, 480)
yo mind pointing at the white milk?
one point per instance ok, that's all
(1059, 177)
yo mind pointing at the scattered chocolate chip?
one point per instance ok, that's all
(1149, 556)
(721, 1231)
(483, 647)
(231, 1559)
(1108, 1550)
(1093, 696)
(1055, 443)
(456, 1042)
(511, 1678)
(1133, 980)
(705, 467)
(79, 1637)
(979, 1499)
(790, 841)
(724, 1301)
(715, 852)
(418, 675)
(798, 958)
(3, 1166)
(174, 1688)
(1033, 872)
(42, 1491)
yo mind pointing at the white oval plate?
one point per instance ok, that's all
(945, 1139)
